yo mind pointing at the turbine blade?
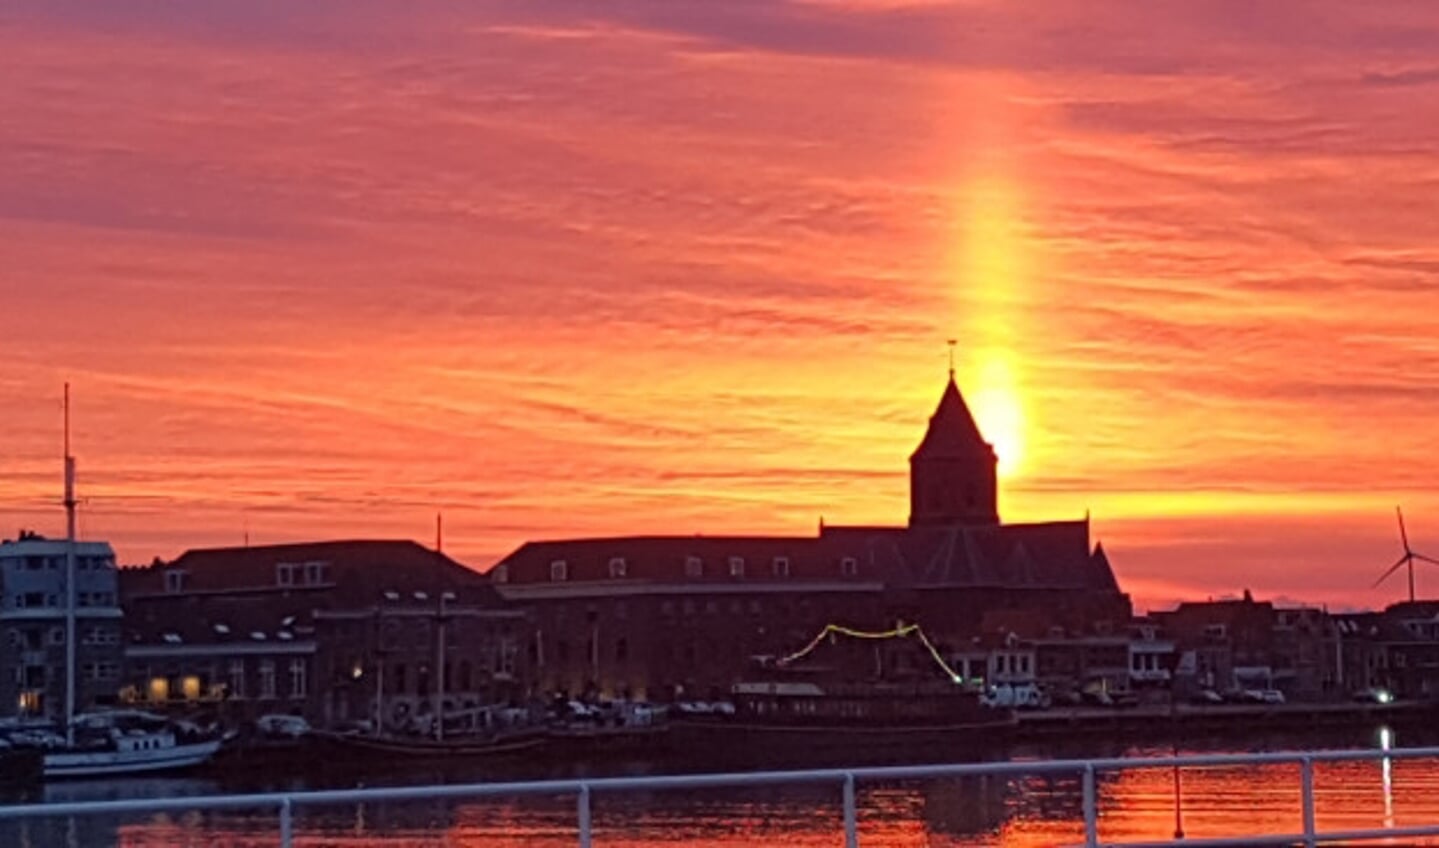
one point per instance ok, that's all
(1430, 560)
(1403, 533)
(1393, 568)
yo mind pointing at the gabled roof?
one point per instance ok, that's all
(952, 430)
(357, 572)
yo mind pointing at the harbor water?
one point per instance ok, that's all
(1033, 811)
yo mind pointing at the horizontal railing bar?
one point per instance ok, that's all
(702, 781)
(1322, 837)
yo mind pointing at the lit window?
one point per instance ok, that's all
(694, 567)
(618, 567)
(781, 566)
(559, 570)
(849, 567)
(736, 566)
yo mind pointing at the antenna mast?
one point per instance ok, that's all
(69, 580)
(951, 343)
(439, 533)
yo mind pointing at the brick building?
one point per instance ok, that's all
(328, 630)
(683, 616)
(1249, 644)
(1397, 649)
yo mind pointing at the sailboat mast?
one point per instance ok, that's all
(69, 579)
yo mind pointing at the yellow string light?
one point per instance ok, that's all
(899, 632)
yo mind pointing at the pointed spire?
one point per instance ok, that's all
(952, 429)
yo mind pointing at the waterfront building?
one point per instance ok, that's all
(331, 631)
(33, 598)
(1396, 650)
(669, 617)
(1242, 643)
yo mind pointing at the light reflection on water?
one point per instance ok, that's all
(1021, 812)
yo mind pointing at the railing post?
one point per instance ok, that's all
(1091, 808)
(584, 815)
(851, 814)
(287, 825)
(1306, 793)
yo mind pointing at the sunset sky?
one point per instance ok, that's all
(559, 268)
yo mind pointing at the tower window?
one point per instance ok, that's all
(781, 566)
(736, 566)
(559, 570)
(694, 567)
(618, 567)
(849, 567)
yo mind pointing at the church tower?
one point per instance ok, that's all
(952, 474)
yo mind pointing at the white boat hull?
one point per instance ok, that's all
(108, 763)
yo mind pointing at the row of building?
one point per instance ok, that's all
(352, 630)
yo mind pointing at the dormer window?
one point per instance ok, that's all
(174, 581)
(316, 573)
(285, 573)
(694, 567)
(618, 567)
(559, 570)
(736, 566)
(781, 566)
(849, 567)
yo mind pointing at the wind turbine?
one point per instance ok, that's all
(1407, 559)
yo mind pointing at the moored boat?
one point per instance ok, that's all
(796, 711)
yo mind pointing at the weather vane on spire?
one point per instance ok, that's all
(951, 343)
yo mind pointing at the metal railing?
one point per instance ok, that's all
(846, 779)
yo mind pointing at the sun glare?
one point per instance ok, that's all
(993, 273)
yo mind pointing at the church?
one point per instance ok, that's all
(683, 617)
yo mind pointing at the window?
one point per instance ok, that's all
(500, 573)
(297, 678)
(781, 566)
(1215, 631)
(736, 566)
(618, 567)
(267, 678)
(694, 567)
(622, 610)
(30, 600)
(285, 574)
(101, 636)
(849, 567)
(237, 678)
(622, 650)
(559, 570)
(57, 635)
(315, 573)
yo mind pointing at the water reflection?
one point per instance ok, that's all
(1386, 766)
(1020, 811)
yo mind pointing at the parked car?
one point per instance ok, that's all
(1206, 697)
(1269, 696)
(1374, 695)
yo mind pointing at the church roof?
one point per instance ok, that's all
(1054, 555)
(952, 430)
